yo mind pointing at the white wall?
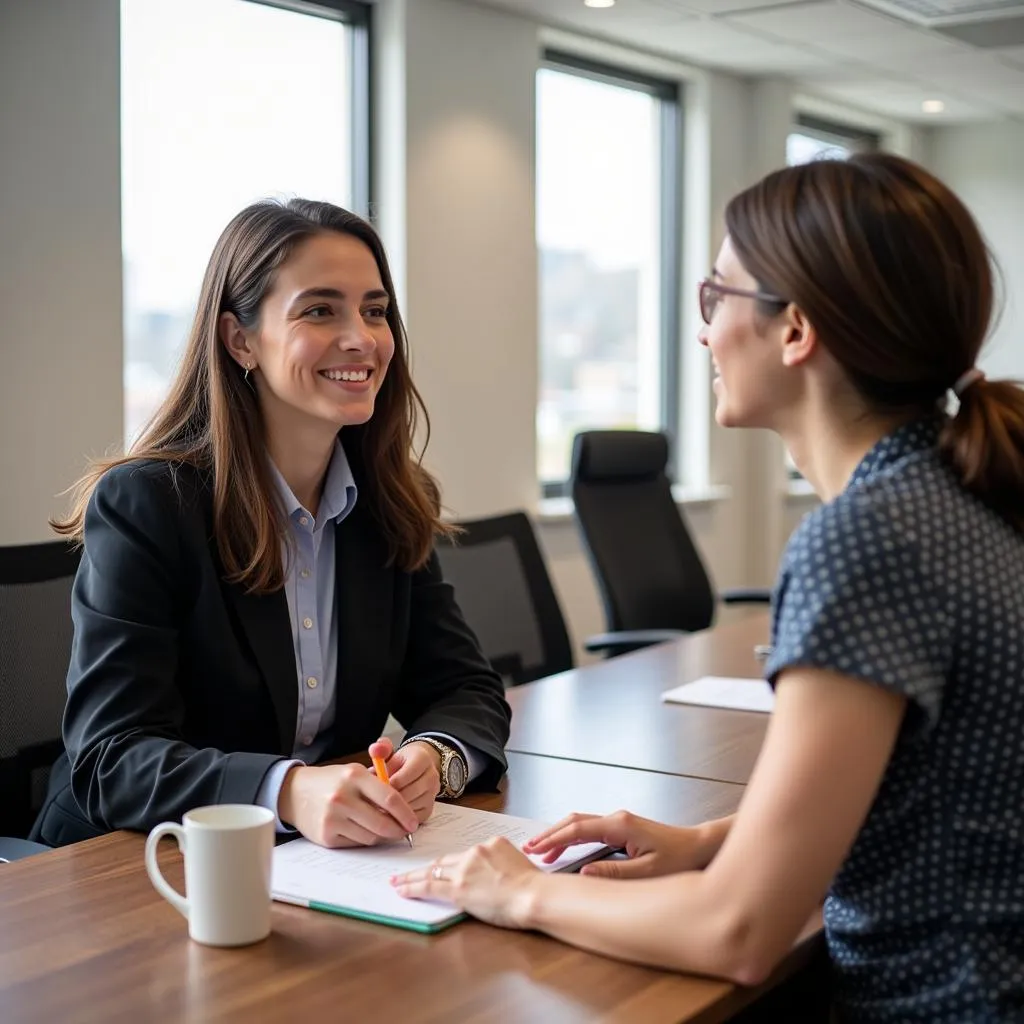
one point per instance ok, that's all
(984, 164)
(471, 258)
(60, 262)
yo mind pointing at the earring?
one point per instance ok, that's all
(245, 376)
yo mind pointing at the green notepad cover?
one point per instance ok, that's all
(423, 927)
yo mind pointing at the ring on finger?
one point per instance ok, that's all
(437, 873)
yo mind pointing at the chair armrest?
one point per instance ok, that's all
(15, 849)
(746, 595)
(629, 640)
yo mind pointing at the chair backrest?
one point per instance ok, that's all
(648, 570)
(504, 590)
(35, 647)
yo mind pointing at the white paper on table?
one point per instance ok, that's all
(357, 880)
(724, 692)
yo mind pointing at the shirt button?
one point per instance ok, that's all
(307, 741)
(304, 573)
(303, 521)
(307, 622)
(311, 682)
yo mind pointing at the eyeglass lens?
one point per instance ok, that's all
(708, 301)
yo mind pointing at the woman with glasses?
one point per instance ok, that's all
(849, 301)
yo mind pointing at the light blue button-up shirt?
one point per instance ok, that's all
(308, 553)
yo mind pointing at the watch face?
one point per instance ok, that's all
(456, 775)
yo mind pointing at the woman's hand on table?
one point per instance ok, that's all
(499, 884)
(494, 882)
(651, 847)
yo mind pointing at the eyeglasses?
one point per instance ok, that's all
(710, 295)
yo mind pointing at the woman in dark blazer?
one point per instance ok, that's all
(258, 588)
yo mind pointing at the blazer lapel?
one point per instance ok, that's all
(267, 627)
(365, 595)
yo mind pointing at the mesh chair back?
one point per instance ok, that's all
(35, 647)
(648, 570)
(504, 590)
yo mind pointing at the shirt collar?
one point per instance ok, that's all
(340, 491)
(909, 438)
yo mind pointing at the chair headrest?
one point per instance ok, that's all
(607, 455)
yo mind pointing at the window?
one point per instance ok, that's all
(812, 139)
(608, 235)
(224, 102)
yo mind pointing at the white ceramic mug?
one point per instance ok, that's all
(228, 850)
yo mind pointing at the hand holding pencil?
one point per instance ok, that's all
(413, 771)
(381, 768)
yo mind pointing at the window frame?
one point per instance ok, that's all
(669, 93)
(358, 16)
(836, 133)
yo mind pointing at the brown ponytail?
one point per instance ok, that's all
(984, 443)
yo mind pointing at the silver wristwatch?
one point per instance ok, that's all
(454, 770)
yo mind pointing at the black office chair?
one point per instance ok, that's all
(648, 570)
(504, 590)
(35, 647)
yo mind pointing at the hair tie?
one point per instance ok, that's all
(965, 380)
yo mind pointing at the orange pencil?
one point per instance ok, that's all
(382, 773)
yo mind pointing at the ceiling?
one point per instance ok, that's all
(857, 53)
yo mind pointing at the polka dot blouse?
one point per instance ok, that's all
(909, 583)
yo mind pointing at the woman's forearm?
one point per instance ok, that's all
(674, 921)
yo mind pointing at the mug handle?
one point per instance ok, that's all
(167, 828)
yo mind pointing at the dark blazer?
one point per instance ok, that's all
(183, 689)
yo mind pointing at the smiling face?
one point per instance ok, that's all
(322, 345)
(751, 382)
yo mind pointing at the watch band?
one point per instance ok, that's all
(448, 753)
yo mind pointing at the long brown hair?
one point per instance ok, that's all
(891, 269)
(211, 419)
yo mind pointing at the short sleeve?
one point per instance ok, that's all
(854, 597)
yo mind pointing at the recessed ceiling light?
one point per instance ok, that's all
(598, 3)
(933, 106)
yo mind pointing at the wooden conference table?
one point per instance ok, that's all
(611, 712)
(84, 936)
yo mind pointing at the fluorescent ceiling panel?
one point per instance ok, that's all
(940, 13)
